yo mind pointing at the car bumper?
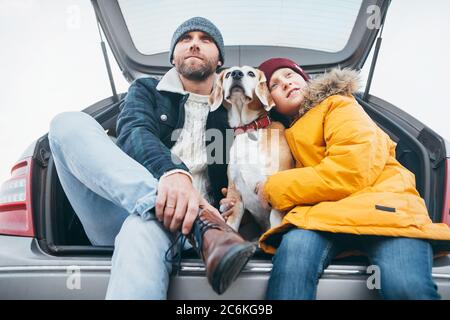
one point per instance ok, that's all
(26, 272)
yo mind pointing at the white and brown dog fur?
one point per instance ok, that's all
(253, 155)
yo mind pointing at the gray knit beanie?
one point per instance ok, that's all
(198, 24)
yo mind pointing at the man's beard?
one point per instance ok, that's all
(199, 72)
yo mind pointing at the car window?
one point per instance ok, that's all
(324, 25)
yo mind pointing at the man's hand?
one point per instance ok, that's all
(177, 202)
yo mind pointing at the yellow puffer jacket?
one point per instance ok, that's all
(347, 179)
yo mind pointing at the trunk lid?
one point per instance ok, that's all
(318, 34)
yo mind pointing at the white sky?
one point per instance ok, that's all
(51, 61)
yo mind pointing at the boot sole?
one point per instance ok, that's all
(231, 266)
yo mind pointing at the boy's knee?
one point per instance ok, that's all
(299, 241)
(297, 252)
(408, 287)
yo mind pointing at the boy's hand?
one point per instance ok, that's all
(227, 204)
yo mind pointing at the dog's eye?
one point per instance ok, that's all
(227, 75)
(251, 74)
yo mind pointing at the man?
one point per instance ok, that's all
(161, 128)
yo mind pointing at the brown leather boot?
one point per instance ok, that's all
(224, 252)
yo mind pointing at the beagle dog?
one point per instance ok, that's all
(259, 148)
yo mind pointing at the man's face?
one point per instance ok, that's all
(196, 56)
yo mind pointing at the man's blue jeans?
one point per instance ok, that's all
(405, 264)
(113, 195)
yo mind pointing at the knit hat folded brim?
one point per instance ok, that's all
(198, 24)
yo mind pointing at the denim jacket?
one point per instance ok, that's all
(149, 115)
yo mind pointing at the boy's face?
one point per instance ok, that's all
(286, 88)
(196, 56)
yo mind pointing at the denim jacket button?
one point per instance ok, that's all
(163, 117)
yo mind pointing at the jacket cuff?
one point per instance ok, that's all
(162, 167)
(273, 195)
(170, 172)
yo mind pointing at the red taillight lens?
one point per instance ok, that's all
(16, 216)
(446, 208)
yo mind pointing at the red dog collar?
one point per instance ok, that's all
(260, 123)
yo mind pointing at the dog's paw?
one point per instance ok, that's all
(234, 216)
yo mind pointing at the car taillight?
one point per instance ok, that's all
(16, 216)
(446, 208)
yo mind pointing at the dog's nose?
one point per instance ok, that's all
(237, 74)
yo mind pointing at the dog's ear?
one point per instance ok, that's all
(262, 92)
(216, 96)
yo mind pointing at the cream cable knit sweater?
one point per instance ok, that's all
(190, 146)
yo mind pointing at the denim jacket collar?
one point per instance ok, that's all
(171, 82)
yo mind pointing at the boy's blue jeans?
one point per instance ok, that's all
(405, 264)
(113, 195)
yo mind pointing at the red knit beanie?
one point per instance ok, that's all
(272, 65)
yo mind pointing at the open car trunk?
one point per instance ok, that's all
(132, 26)
(418, 148)
(306, 29)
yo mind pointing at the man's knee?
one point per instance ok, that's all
(66, 125)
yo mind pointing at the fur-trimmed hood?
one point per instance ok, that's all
(335, 82)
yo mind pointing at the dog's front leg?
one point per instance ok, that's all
(275, 218)
(234, 219)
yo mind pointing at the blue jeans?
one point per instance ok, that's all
(113, 196)
(405, 264)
